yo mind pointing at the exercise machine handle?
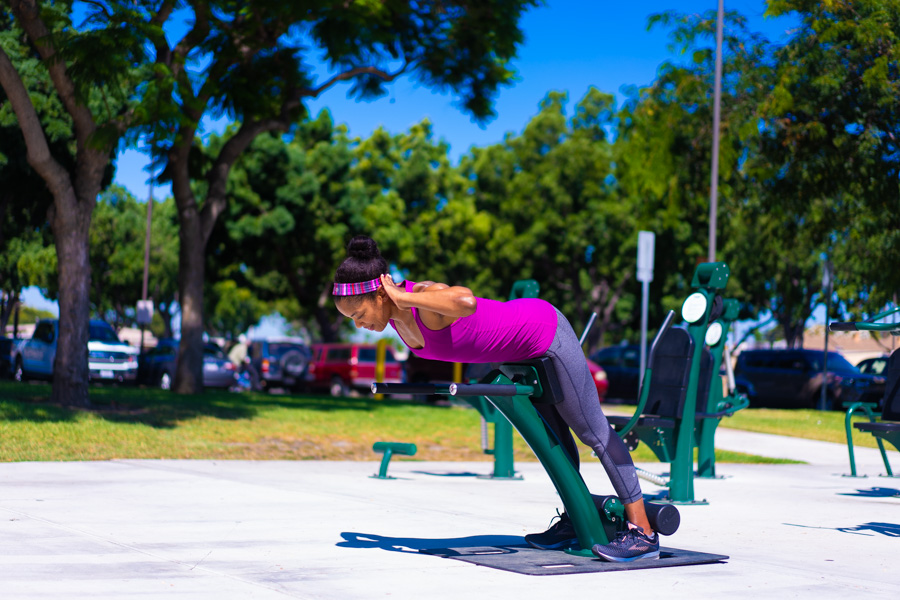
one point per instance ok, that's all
(843, 326)
(490, 389)
(410, 388)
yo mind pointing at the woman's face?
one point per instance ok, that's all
(371, 314)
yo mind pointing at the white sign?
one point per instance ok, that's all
(646, 249)
(144, 312)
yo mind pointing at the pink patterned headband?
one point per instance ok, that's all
(354, 289)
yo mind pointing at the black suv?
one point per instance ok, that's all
(279, 363)
(793, 379)
(623, 370)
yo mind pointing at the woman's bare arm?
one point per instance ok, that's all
(439, 305)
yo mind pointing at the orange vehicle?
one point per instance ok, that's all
(340, 368)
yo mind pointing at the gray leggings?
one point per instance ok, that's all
(580, 410)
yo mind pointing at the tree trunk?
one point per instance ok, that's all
(74, 198)
(9, 307)
(71, 228)
(191, 271)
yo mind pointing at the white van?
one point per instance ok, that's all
(109, 358)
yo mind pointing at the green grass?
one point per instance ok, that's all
(802, 423)
(129, 422)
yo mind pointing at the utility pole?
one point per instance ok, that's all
(144, 307)
(717, 104)
(827, 289)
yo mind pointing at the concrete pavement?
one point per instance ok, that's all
(325, 530)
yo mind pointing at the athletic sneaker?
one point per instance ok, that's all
(560, 535)
(631, 544)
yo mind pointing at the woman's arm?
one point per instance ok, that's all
(439, 305)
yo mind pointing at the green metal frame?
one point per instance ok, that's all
(675, 445)
(891, 437)
(866, 407)
(504, 462)
(590, 527)
(717, 403)
(388, 449)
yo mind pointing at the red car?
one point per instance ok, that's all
(600, 380)
(340, 368)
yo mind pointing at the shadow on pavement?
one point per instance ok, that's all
(885, 529)
(460, 474)
(414, 545)
(875, 492)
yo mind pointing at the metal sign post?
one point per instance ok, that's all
(646, 249)
(827, 288)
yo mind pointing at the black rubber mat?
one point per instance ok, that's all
(526, 560)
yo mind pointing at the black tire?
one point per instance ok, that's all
(338, 388)
(293, 364)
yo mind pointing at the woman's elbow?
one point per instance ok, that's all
(467, 304)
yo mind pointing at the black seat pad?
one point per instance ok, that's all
(645, 421)
(551, 390)
(890, 406)
(882, 427)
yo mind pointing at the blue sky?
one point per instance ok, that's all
(569, 46)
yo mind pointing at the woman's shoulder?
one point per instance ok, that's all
(421, 286)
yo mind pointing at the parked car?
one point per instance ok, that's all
(157, 365)
(793, 378)
(279, 363)
(340, 368)
(873, 366)
(601, 379)
(623, 370)
(109, 358)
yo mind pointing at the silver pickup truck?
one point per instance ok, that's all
(109, 358)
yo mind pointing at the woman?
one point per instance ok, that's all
(447, 323)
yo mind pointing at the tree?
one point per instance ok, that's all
(663, 157)
(86, 69)
(245, 60)
(832, 137)
(292, 206)
(555, 215)
(118, 231)
(24, 201)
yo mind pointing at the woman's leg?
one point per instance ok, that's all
(581, 410)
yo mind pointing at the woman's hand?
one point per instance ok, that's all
(394, 292)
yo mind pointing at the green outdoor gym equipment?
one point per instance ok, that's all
(388, 449)
(513, 389)
(504, 466)
(717, 402)
(884, 426)
(670, 398)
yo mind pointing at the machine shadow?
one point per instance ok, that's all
(885, 529)
(414, 545)
(875, 492)
(459, 474)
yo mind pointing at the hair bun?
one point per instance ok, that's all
(363, 247)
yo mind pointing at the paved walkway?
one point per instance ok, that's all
(325, 530)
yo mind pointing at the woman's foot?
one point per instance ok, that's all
(560, 535)
(631, 544)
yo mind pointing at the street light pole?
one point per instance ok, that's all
(828, 290)
(147, 252)
(717, 103)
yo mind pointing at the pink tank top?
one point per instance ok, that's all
(495, 332)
